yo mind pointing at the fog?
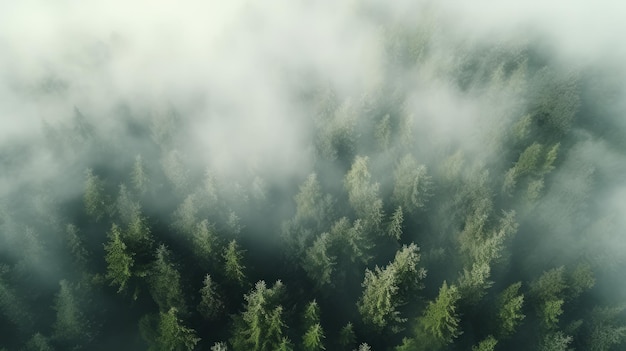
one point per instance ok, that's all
(235, 89)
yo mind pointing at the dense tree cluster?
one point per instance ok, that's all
(391, 239)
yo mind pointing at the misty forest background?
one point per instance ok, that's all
(432, 189)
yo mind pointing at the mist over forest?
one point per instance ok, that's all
(299, 175)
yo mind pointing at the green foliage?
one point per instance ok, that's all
(363, 194)
(210, 302)
(580, 280)
(489, 344)
(408, 275)
(385, 290)
(473, 283)
(38, 342)
(219, 346)
(138, 236)
(558, 101)
(395, 226)
(139, 177)
(606, 328)
(204, 241)
(313, 338)
(172, 334)
(440, 320)
(233, 263)
(311, 314)
(96, 202)
(549, 313)
(12, 309)
(185, 216)
(165, 285)
(379, 304)
(509, 306)
(556, 341)
(119, 260)
(551, 156)
(382, 133)
(126, 207)
(70, 324)
(260, 326)
(75, 245)
(550, 285)
(312, 207)
(528, 160)
(175, 171)
(351, 241)
(412, 184)
(347, 338)
(336, 135)
(317, 262)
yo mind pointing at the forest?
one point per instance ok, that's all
(299, 176)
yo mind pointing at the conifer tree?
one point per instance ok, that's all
(313, 338)
(70, 324)
(488, 344)
(395, 226)
(259, 327)
(379, 303)
(119, 260)
(509, 306)
(317, 262)
(440, 320)
(172, 334)
(233, 263)
(96, 202)
(210, 303)
(412, 184)
(347, 338)
(139, 177)
(165, 285)
(204, 242)
(363, 194)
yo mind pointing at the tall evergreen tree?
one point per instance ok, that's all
(233, 263)
(119, 260)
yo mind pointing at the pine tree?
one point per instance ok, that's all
(379, 303)
(70, 324)
(139, 177)
(204, 242)
(395, 226)
(408, 274)
(75, 245)
(96, 202)
(312, 207)
(210, 303)
(164, 279)
(119, 260)
(363, 194)
(260, 326)
(556, 341)
(38, 342)
(509, 306)
(313, 338)
(233, 265)
(347, 338)
(440, 320)
(605, 329)
(311, 314)
(127, 208)
(412, 185)
(317, 262)
(172, 334)
(489, 344)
